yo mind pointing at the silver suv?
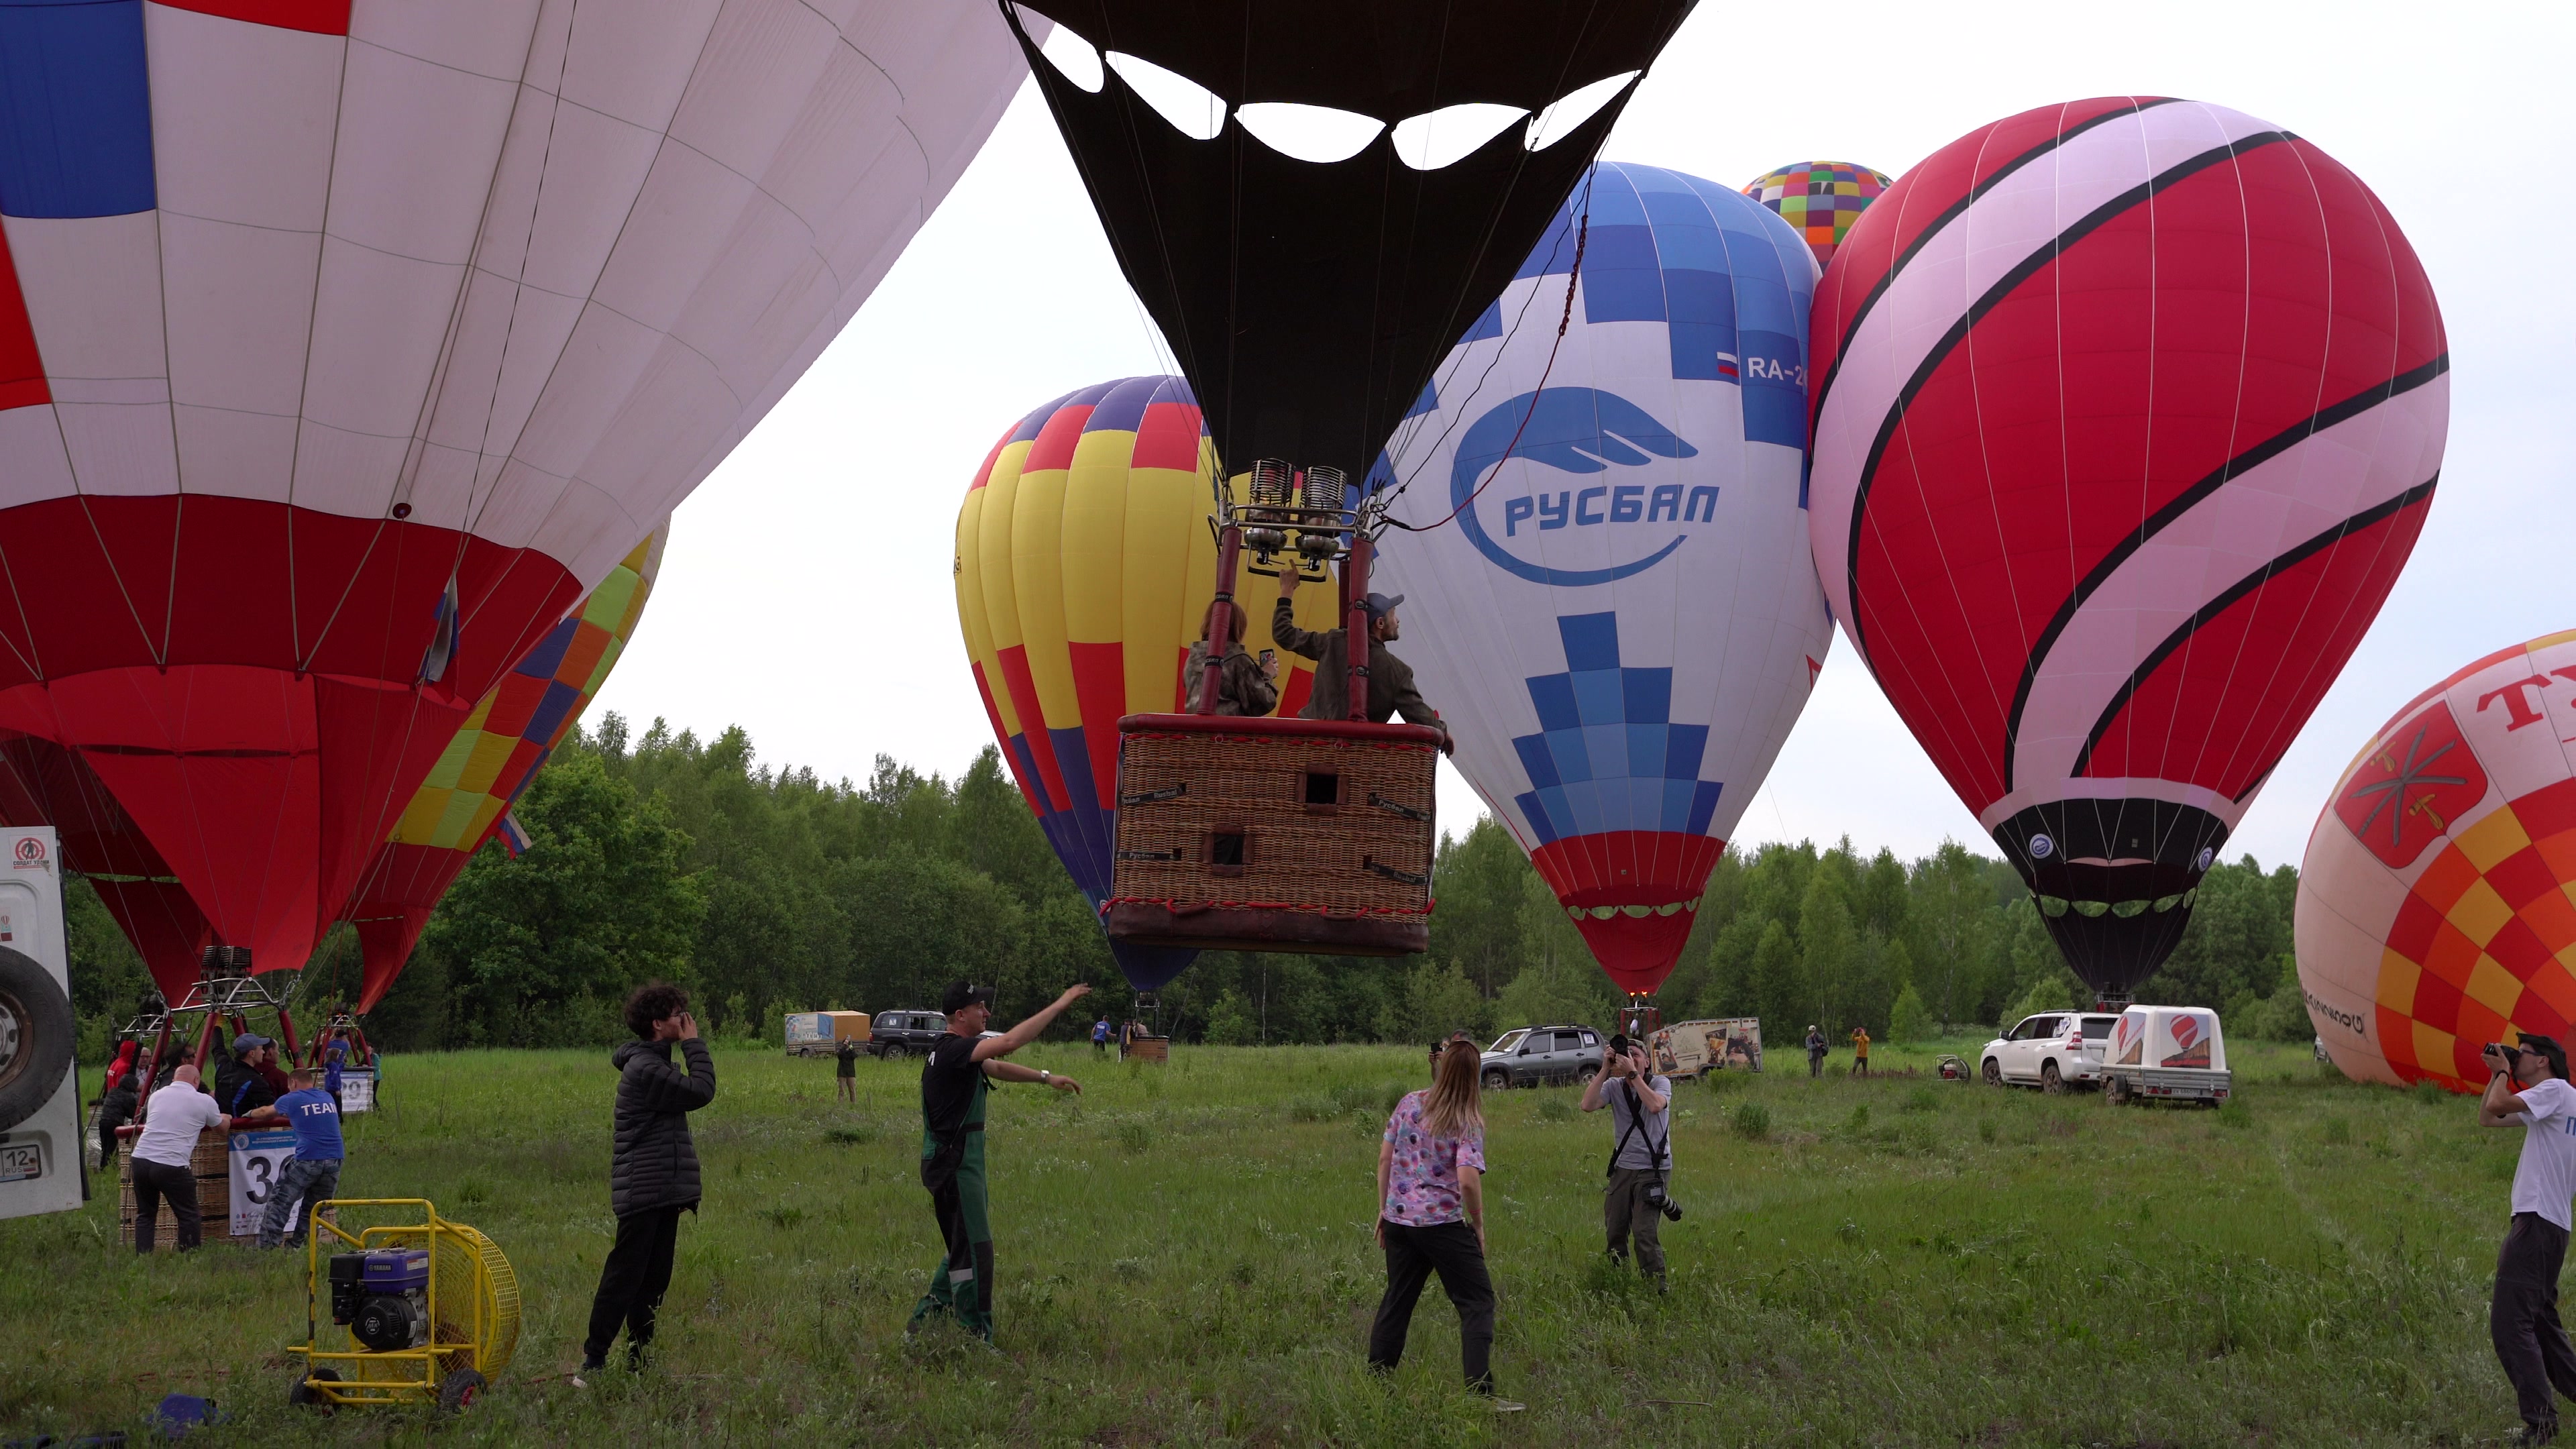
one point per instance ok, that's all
(1533, 1055)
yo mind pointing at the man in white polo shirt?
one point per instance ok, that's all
(2530, 1090)
(172, 1120)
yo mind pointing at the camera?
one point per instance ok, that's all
(1663, 1202)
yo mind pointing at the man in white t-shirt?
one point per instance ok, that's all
(172, 1121)
(2530, 1090)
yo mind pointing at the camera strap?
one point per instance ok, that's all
(1661, 1152)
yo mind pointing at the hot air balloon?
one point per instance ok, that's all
(2128, 411)
(512, 732)
(343, 348)
(1084, 569)
(1313, 201)
(2434, 909)
(1609, 599)
(1820, 198)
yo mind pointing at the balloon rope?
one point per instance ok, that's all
(1582, 233)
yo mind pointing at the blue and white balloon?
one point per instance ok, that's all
(1623, 620)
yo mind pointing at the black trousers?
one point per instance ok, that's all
(154, 1181)
(1412, 1255)
(2523, 1320)
(632, 1282)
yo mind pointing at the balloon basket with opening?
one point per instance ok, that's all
(1258, 834)
(428, 1310)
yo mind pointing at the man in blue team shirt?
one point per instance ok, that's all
(313, 1175)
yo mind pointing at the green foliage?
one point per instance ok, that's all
(596, 903)
(767, 890)
(1752, 1121)
(1439, 999)
(1908, 1021)
(1230, 1023)
(108, 975)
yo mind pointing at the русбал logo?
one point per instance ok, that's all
(1578, 430)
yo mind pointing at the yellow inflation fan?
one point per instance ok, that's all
(429, 1309)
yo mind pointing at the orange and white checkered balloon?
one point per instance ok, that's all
(2437, 902)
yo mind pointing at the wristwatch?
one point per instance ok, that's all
(1045, 1076)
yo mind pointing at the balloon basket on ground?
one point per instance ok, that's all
(1293, 835)
(428, 1309)
(210, 1163)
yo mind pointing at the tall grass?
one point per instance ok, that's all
(1184, 1258)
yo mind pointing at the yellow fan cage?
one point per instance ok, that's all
(473, 1308)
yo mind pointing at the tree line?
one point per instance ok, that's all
(768, 890)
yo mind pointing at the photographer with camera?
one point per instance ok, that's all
(1641, 1160)
(2530, 1090)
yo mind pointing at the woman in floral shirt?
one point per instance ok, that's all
(1431, 1216)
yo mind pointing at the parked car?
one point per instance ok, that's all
(2050, 1051)
(2173, 1053)
(820, 1033)
(899, 1034)
(1533, 1055)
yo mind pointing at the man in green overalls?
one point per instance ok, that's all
(955, 1079)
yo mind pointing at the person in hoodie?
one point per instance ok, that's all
(653, 1173)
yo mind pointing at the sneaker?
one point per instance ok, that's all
(588, 1366)
(1505, 1406)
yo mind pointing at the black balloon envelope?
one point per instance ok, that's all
(1310, 300)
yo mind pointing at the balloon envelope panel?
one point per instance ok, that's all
(2437, 900)
(343, 348)
(511, 734)
(1621, 624)
(2128, 413)
(1820, 198)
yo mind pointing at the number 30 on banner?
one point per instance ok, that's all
(258, 1160)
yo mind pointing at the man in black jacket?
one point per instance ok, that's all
(653, 1174)
(247, 1080)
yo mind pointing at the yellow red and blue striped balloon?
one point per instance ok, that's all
(513, 730)
(1084, 566)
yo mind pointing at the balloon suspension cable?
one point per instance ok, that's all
(1582, 232)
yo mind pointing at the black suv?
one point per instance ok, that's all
(1534, 1055)
(895, 1035)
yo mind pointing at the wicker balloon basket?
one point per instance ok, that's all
(211, 1164)
(1274, 835)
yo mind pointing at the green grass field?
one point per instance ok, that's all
(1185, 1259)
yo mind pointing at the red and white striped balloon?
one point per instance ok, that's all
(2127, 413)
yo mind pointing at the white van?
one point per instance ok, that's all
(2171, 1052)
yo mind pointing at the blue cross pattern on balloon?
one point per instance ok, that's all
(1608, 755)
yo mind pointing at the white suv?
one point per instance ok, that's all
(2050, 1051)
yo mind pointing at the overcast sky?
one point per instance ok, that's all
(806, 592)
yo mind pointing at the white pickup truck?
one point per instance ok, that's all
(2050, 1051)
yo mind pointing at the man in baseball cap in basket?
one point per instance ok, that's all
(1391, 690)
(956, 1077)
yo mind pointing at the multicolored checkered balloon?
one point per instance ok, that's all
(467, 797)
(1820, 198)
(2435, 911)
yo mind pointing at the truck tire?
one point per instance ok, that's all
(2049, 1081)
(893, 1051)
(35, 1037)
(1994, 1073)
